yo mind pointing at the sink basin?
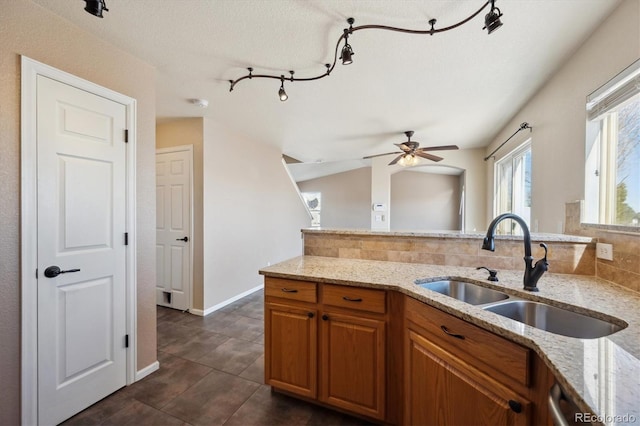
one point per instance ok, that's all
(467, 292)
(554, 320)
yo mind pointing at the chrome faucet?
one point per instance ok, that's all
(532, 273)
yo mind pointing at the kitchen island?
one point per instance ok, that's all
(602, 376)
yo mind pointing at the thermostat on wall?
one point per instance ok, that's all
(379, 207)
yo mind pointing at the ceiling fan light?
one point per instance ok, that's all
(96, 7)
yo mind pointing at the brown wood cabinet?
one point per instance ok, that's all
(443, 390)
(352, 362)
(291, 336)
(456, 373)
(327, 343)
(391, 358)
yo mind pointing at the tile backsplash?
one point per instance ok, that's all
(564, 257)
(624, 269)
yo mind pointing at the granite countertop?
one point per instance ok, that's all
(601, 375)
(550, 238)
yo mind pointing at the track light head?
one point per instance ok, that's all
(492, 19)
(347, 52)
(96, 7)
(281, 93)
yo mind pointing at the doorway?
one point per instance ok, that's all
(174, 227)
(78, 243)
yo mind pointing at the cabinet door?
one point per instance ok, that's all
(352, 370)
(291, 348)
(441, 390)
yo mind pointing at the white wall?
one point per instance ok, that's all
(557, 115)
(425, 201)
(252, 212)
(346, 198)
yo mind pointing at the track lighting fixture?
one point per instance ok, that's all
(491, 20)
(96, 7)
(281, 93)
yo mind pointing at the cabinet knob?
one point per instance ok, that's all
(515, 406)
(311, 314)
(325, 317)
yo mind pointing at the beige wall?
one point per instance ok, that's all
(469, 160)
(346, 198)
(189, 131)
(252, 212)
(27, 29)
(425, 201)
(557, 114)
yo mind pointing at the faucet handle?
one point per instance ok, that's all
(544, 246)
(493, 274)
(544, 264)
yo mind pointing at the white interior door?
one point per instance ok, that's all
(173, 228)
(81, 215)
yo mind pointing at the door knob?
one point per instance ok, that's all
(185, 239)
(54, 271)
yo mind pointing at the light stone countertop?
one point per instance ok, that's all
(601, 375)
(550, 238)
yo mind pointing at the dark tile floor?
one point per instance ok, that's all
(211, 373)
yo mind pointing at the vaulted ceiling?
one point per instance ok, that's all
(458, 87)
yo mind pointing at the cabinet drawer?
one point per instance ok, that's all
(302, 291)
(483, 349)
(363, 299)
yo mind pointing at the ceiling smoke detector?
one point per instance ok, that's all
(202, 103)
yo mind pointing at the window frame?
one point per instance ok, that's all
(516, 176)
(600, 186)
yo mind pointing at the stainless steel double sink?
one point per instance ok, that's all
(535, 314)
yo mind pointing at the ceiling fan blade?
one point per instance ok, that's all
(380, 155)
(428, 156)
(402, 146)
(395, 160)
(439, 148)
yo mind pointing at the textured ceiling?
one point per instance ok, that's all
(458, 87)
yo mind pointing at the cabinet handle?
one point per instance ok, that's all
(515, 406)
(349, 299)
(310, 314)
(325, 317)
(289, 290)
(447, 332)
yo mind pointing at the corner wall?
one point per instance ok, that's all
(28, 29)
(252, 213)
(557, 114)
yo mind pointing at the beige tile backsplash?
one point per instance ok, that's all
(564, 258)
(624, 269)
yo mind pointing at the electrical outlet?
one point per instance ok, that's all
(604, 251)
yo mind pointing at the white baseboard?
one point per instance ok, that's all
(141, 374)
(221, 305)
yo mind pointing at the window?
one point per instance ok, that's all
(313, 204)
(612, 166)
(513, 187)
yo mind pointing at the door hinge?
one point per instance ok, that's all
(126, 238)
(36, 273)
(126, 340)
(126, 135)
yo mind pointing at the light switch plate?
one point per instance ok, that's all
(604, 251)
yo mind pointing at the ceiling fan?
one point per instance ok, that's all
(410, 151)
